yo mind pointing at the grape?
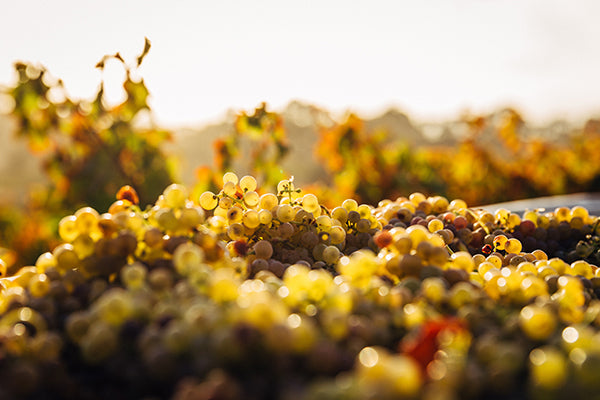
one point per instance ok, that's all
(265, 217)
(435, 225)
(86, 220)
(251, 199)
(310, 202)
(230, 177)
(229, 188)
(416, 198)
(331, 255)
(247, 183)
(191, 217)
(286, 230)
(66, 257)
(208, 200)
(251, 219)
(340, 213)
(67, 228)
(350, 205)
(39, 285)
(537, 322)
(268, 201)
(337, 235)
(225, 203)
(548, 367)
(235, 215)
(324, 223)
(460, 222)
(363, 225)
(134, 275)
(263, 249)
(175, 195)
(513, 246)
(285, 213)
(398, 300)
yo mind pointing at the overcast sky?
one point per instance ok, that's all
(432, 59)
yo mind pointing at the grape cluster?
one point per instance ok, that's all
(245, 294)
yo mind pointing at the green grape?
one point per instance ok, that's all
(582, 268)
(500, 242)
(175, 195)
(284, 187)
(495, 260)
(324, 223)
(166, 219)
(235, 231)
(265, 217)
(99, 342)
(435, 225)
(457, 204)
(434, 289)
(45, 261)
(229, 188)
(187, 256)
(114, 306)
(217, 224)
(391, 376)
(134, 275)
(221, 212)
(462, 260)
(86, 220)
(66, 257)
(84, 246)
(234, 215)
(247, 183)
(251, 199)
(548, 367)
(364, 211)
(67, 228)
(268, 201)
(350, 204)
(39, 285)
(310, 202)
(562, 214)
(537, 322)
(77, 324)
(208, 200)
(340, 213)
(331, 255)
(416, 198)
(513, 246)
(439, 204)
(318, 250)
(251, 219)
(337, 234)
(225, 203)
(285, 213)
(230, 177)
(190, 217)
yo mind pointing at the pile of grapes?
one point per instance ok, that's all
(241, 295)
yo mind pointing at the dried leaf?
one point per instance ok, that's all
(147, 45)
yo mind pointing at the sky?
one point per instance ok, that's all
(432, 59)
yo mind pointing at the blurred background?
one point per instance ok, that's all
(487, 101)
